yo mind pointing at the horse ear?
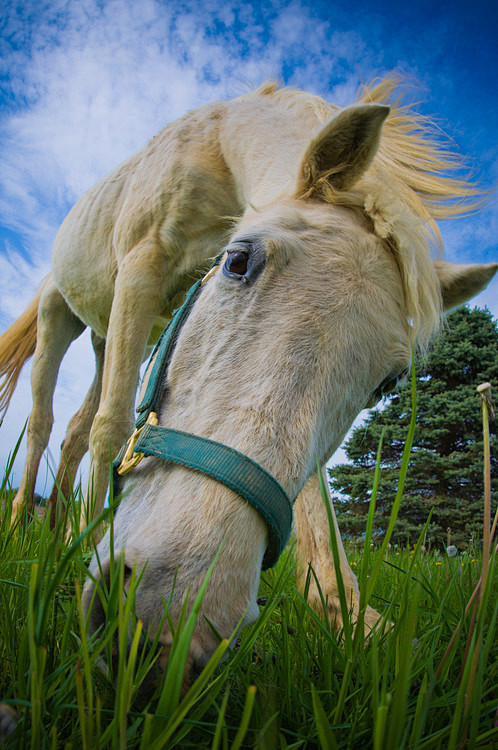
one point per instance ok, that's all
(460, 283)
(342, 150)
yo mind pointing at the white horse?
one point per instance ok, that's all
(327, 217)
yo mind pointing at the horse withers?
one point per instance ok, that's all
(325, 285)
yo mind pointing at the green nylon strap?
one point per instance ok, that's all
(163, 351)
(231, 468)
(161, 356)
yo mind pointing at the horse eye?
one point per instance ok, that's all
(237, 262)
(244, 261)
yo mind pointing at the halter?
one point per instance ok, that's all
(225, 464)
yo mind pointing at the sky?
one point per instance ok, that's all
(86, 83)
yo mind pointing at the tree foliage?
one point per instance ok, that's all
(446, 464)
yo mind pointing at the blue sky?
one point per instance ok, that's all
(84, 84)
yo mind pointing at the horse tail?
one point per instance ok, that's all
(17, 345)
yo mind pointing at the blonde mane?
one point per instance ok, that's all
(415, 180)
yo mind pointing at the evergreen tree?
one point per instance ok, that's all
(446, 463)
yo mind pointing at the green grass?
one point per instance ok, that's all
(427, 680)
(291, 682)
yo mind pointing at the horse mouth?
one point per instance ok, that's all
(150, 652)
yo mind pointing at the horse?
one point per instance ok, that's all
(326, 221)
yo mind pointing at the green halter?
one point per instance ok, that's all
(228, 466)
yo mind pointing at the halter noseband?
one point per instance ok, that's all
(225, 464)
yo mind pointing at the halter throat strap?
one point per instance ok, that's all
(233, 469)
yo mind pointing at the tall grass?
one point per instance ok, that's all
(426, 678)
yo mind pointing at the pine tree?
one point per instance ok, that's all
(446, 463)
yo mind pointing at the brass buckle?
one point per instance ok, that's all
(130, 458)
(210, 273)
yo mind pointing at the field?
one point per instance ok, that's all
(430, 680)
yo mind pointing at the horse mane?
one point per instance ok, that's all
(415, 151)
(415, 180)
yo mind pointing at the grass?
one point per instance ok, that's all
(292, 682)
(430, 680)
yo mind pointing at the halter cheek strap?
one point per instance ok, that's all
(233, 469)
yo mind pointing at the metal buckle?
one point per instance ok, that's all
(130, 458)
(210, 273)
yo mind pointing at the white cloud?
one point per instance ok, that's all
(100, 80)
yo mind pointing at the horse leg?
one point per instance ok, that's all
(57, 328)
(75, 443)
(313, 549)
(138, 301)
